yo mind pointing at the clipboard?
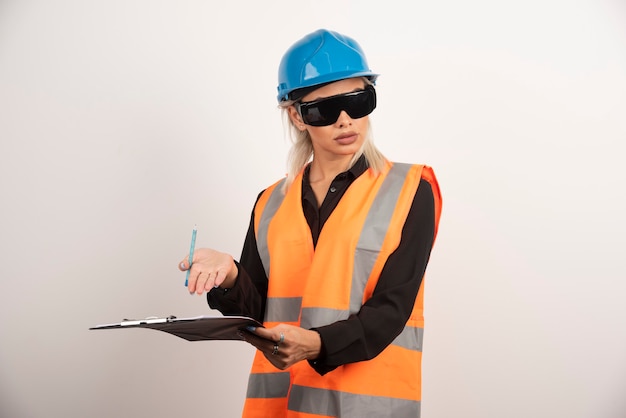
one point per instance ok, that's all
(197, 328)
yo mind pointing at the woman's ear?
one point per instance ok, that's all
(296, 118)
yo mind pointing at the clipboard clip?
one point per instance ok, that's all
(148, 320)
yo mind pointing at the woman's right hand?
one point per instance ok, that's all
(209, 269)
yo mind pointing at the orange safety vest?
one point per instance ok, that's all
(310, 287)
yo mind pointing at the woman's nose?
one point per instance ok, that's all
(344, 119)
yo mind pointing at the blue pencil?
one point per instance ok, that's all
(193, 246)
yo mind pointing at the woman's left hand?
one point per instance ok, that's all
(285, 345)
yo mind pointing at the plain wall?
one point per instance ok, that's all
(124, 123)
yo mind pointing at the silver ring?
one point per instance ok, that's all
(282, 338)
(275, 350)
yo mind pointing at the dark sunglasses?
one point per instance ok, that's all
(324, 112)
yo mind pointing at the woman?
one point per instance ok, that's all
(335, 253)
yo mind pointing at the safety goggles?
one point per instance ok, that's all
(326, 111)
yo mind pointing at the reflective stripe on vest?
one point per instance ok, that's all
(276, 198)
(332, 404)
(268, 385)
(283, 309)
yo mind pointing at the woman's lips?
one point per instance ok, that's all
(347, 138)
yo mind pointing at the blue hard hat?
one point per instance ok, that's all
(321, 57)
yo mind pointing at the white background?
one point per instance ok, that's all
(124, 123)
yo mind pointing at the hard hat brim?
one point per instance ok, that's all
(318, 82)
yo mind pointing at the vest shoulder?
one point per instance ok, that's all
(428, 179)
(425, 170)
(276, 186)
(426, 166)
(278, 183)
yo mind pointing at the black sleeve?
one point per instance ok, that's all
(364, 335)
(249, 294)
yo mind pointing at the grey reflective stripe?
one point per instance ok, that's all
(411, 338)
(283, 309)
(374, 231)
(272, 205)
(342, 404)
(268, 385)
(316, 317)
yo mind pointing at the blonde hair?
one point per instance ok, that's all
(301, 150)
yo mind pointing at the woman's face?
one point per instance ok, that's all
(342, 138)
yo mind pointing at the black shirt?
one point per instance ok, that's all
(364, 335)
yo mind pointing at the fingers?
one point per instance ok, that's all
(201, 281)
(184, 265)
(271, 334)
(274, 343)
(198, 284)
(206, 281)
(196, 277)
(285, 345)
(220, 276)
(209, 269)
(278, 354)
